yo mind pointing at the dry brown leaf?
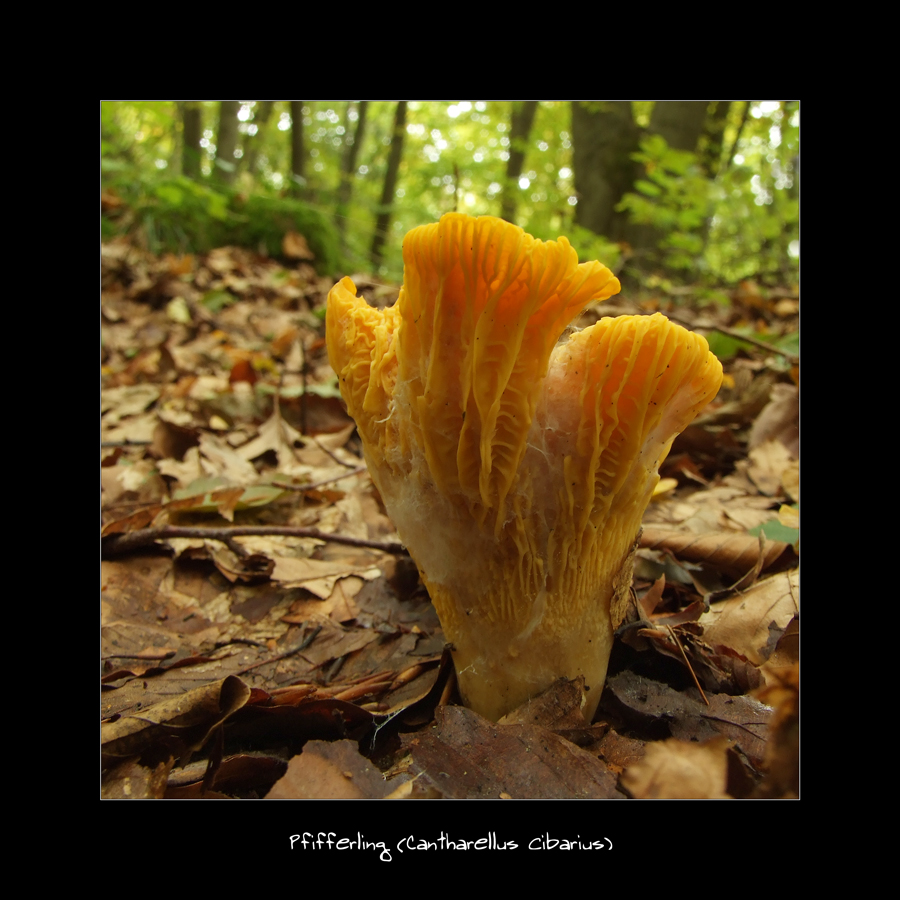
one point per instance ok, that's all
(468, 757)
(785, 654)
(184, 722)
(130, 780)
(779, 420)
(318, 576)
(768, 463)
(277, 435)
(733, 505)
(330, 771)
(731, 552)
(752, 622)
(783, 748)
(339, 605)
(120, 403)
(294, 246)
(673, 770)
(220, 460)
(790, 481)
(557, 708)
(646, 704)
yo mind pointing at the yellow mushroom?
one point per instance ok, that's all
(515, 469)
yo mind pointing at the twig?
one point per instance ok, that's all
(307, 640)
(145, 537)
(331, 453)
(277, 412)
(770, 348)
(303, 368)
(317, 484)
(687, 662)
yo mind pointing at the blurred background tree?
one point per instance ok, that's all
(689, 191)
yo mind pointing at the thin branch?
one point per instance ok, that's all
(146, 537)
(332, 454)
(770, 348)
(307, 640)
(317, 484)
(687, 662)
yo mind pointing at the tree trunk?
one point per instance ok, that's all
(604, 135)
(713, 141)
(382, 223)
(352, 143)
(252, 142)
(192, 123)
(679, 122)
(520, 127)
(298, 157)
(737, 137)
(226, 141)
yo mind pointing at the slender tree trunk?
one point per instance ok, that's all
(352, 143)
(737, 137)
(260, 119)
(192, 123)
(604, 135)
(298, 156)
(713, 141)
(382, 223)
(520, 127)
(175, 160)
(226, 141)
(712, 146)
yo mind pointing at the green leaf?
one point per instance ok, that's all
(775, 531)
(216, 301)
(170, 193)
(648, 188)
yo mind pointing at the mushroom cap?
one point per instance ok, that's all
(516, 470)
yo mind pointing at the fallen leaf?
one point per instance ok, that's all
(468, 757)
(182, 723)
(733, 553)
(330, 771)
(783, 748)
(779, 420)
(318, 576)
(768, 463)
(752, 622)
(674, 770)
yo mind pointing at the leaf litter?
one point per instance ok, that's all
(264, 634)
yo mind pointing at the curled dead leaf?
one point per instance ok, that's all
(732, 552)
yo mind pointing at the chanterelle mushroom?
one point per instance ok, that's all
(516, 470)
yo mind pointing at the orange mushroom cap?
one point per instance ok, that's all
(516, 470)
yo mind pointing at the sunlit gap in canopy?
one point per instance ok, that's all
(457, 109)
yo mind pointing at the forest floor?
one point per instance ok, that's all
(263, 633)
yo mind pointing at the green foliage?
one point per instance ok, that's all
(755, 228)
(742, 223)
(216, 301)
(263, 221)
(674, 198)
(182, 215)
(594, 246)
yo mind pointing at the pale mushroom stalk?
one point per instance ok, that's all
(516, 469)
